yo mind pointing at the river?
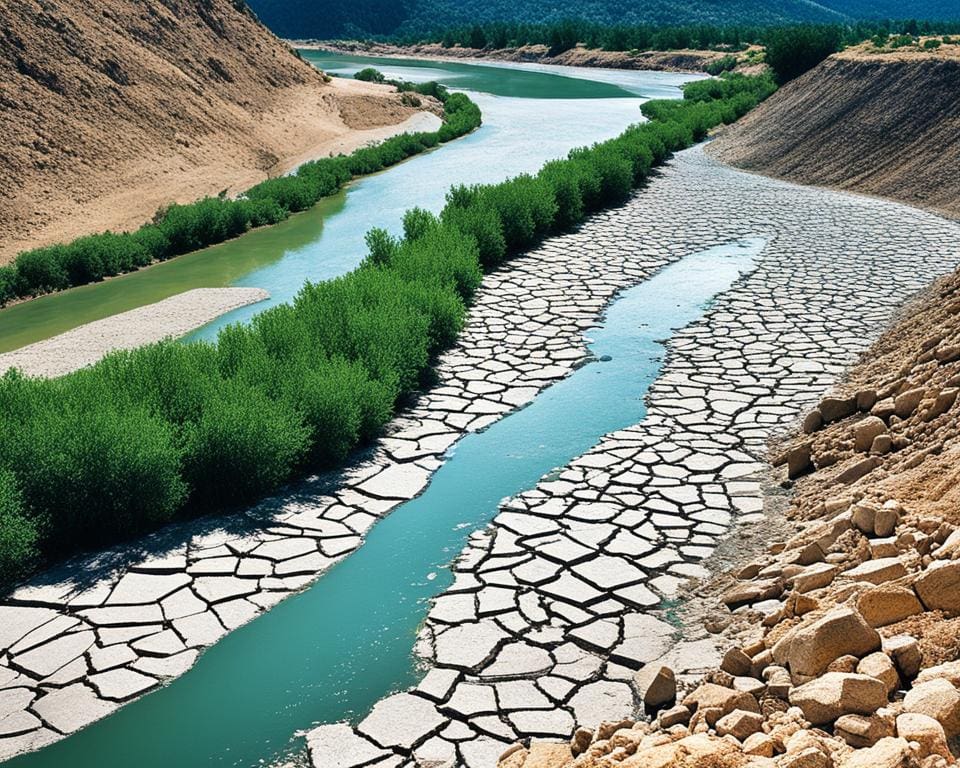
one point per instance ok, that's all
(531, 114)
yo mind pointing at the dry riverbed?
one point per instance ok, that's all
(552, 610)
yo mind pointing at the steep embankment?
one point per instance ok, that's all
(109, 110)
(882, 124)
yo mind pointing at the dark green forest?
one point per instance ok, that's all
(425, 18)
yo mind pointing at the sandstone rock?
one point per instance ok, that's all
(810, 649)
(580, 741)
(939, 586)
(808, 758)
(814, 577)
(736, 662)
(906, 403)
(846, 663)
(864, 517)
(778, 680)
(752, 592)
(836, 408)
(799, 460)
(890, 752)
(826, 698)
(866, 399)
(888, 604)
(545, 754)
(925, 731)
(866, 431)
(905, 652)
(854, 472)
(607, 728)
(759, 745)
(677, 715)
(879, 666)
(878, 571)
(739, 724)
(749, 685)
(887, 519)
(812, 421)
(861, 731)
(882, 444)
(937, 699)
(712, 696)
(656, 685)
(948, 671)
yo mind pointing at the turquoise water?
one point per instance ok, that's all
(331, 652)
(530, 116)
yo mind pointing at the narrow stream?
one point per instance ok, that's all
(331, 652)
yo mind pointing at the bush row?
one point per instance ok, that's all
(179, 229)
(118, 448)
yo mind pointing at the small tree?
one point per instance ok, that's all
(791, 51)
(369, 75)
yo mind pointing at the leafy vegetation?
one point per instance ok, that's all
(794, 50)
(179, 229)
(412, 19)
(181, 429)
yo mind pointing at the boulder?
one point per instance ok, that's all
(887, 519)
(853, 472)
(811, 757)
(826, 698)
(888, 604)
(906, 403)
(799, 460)
(656, 685)
(890, 752)
(836, 408)
(812, 421)
(759, 745)
(879, 666)
(861, 731)
(810, 649)
(581, 739)
(740, 724)
(937, 699)
(948, 671)
(864, 517)
(882, 444)
(938, 587)
(748, 592)
(736, 663)
(545, 754)
(877, 571)
(866, 399)
(815, 576)
(678, 715)
(712, 696)
(905, 652)
(866, 431)
(925, 731)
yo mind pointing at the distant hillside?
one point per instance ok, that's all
(883, 124)
(110, 109)
(353, 18)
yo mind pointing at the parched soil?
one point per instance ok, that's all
(665, 61)
(110, 110)
(877, 123)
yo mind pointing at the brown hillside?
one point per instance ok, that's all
(881, 124)
(110, 109)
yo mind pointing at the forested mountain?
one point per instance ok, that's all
(357, 18)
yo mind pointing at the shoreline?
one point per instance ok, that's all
(86, 344)
(683, 61)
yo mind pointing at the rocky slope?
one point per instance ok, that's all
(878, 123)
(843, 639)
(109, 110)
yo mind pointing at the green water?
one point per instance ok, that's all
(331, 652)
(580, 107)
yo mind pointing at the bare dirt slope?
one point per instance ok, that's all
(111, 109)
(883, 124)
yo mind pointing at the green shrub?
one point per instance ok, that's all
(18, 533)
(723, 64)
(243, 445)
(369, 75)
(40, 271)
(791, 51)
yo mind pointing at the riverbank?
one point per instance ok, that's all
(170, 318)
(692, 61)
(875, 121)
(203, 100)
(524, 331)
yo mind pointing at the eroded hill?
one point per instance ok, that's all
(109, 110)
(878, 123)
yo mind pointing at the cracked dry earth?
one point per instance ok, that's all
(547, 619)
